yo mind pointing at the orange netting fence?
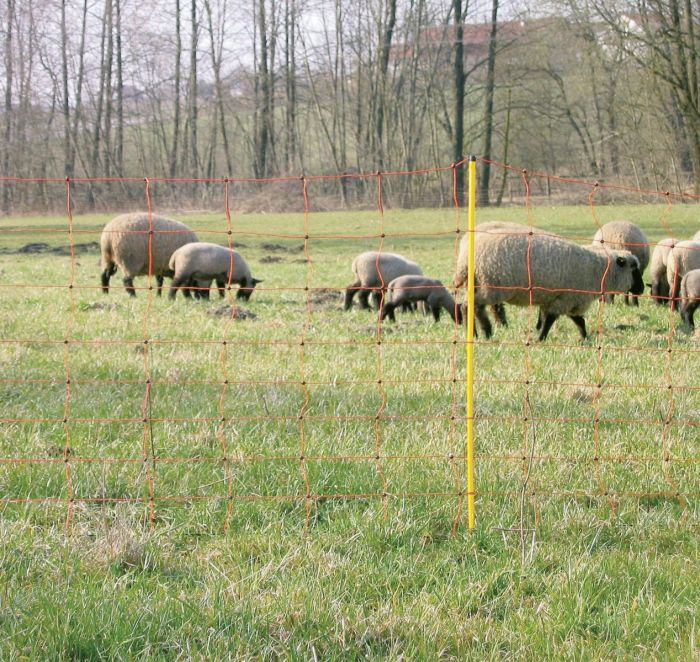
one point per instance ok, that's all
(229, 408)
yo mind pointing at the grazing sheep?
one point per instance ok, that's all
(202, 262)
(126, 243)
(624, 236)
(412, 289)
(690, 296)
(374, 270)
(657, 270)
(480, 232)
(684, 257)
(562, 278)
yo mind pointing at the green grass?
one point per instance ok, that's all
(341, 555)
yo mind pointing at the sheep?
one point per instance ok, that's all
(127, 243)
(657, 270)
(684, 257)
(623, 235)
(374, 270)
(201, 262)
(690, 296)
(412, 289)
(481, 231)
(562, 278)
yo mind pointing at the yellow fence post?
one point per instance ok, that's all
(471, 220)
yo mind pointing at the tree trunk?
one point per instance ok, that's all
(119, 158)
(107, 138)
(216, 66)
(178, 72)
(385, 50)
(77, 110)
(290, 26)
(459, 84)
(488, 111)
(192, 106)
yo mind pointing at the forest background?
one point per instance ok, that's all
(599, 89)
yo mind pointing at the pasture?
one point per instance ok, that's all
(288, 485)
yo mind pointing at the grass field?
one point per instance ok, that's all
(196, 531)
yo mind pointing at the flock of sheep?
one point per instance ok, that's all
(516, 264)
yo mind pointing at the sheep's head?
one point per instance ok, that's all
(245, 292)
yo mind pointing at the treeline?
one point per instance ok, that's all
(208, 88)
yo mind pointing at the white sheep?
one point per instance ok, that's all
(658, 270)
(623, 235)
(559, 276)
(690, 296)
(480, 232)
(374, 270)
(140, 245)
(413, 289)
(684, 257)
(196, 264)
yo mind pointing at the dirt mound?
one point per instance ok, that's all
(227, 311)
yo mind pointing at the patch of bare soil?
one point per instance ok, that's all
(39, 247)
(281, 248)
(268, 259)
(326, 297)
(227, 311)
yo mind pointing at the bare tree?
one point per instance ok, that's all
(488, 110)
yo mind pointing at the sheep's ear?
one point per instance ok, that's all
(621, 261)
(257, 280)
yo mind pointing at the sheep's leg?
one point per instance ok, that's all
(499, 314)
(580, 323)
(540, 319)
(378, 298)
(221, 286)
(129, 285)
(109, 271)
(435, 310)
(388, 311)
(408, 307)
(160, 279)
(547, 325)
(350, 292)
(688, 312)
(178, 282)
(484, 321)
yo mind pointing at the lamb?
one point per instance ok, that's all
(412, 289)
(374, 270)
(657, 270)
(684, 257)
(623, 235)
(563, 278)
(690, 296)
(202, 262)
(126, 243)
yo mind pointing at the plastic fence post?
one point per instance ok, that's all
(470, 344)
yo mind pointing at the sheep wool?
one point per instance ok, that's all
(412, 289)
(684, 257)
(624, 235)
(559, 276)
(657, 270)
(195, 264)
(126, 243)
(690, 296)
(374, 270)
